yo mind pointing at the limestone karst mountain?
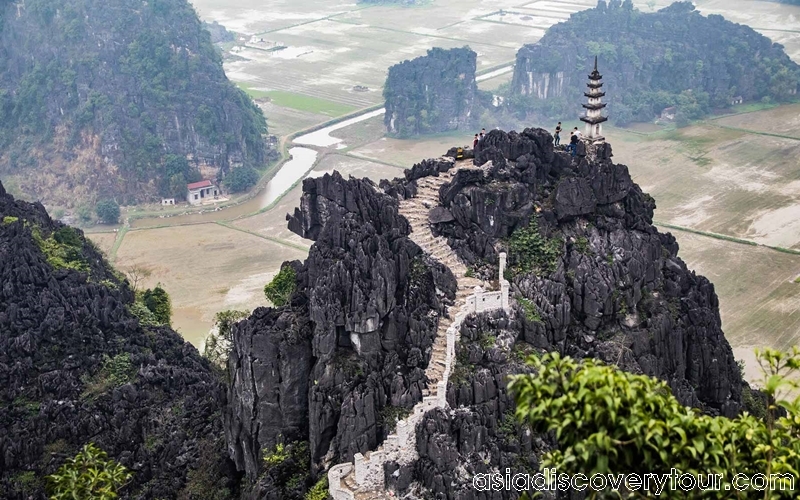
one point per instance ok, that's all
(96, 97)
(334, 370)
(653, 60)
(433, 93)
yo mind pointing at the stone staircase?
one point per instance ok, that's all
(364, 478)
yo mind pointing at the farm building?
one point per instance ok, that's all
(202, 191)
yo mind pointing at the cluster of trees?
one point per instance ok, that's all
(107, 211)
(611, 422)
(147, 81)
(651, 61)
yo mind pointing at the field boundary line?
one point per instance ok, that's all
(725, 237)
(394, 30)
(755, 132)
(253, 233)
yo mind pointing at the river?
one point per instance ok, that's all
(301, 162)
(293, 170)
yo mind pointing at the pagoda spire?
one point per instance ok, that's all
(594, 107)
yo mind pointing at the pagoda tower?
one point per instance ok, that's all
(594, 118)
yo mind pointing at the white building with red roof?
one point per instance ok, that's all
(202, 192)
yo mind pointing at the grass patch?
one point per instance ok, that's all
(63, 249)
(299, 102)
(532, 252)
(530, 310)
(115, 372)
(9, 220)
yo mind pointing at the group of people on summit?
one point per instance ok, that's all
(478, 138)
(574, 137)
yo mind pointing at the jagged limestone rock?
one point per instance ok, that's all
(76, 366)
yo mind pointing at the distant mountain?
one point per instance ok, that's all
(431, 93)
(104, 99)
(650, 61)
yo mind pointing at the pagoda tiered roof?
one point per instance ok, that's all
(594, 120)
(598, 94)
(599, 105)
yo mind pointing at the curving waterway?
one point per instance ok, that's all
(299, 166)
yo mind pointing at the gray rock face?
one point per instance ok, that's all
(616, 290)
(351, 347)
(357, 334)
(157, 412)
(432, 93)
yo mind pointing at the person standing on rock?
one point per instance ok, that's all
(577, 133)
(475, 142)
(483, 133)
(558, 134)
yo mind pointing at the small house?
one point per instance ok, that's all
(202, 191)
(167, 201)
(669, 113)
(737, 100)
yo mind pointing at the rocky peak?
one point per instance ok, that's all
(590, 276)
(77, 366)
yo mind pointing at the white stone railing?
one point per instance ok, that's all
(367, 470)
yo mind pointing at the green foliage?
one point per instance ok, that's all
(90, 475)
(26, 482)
(288, 465)
(206, 480)
(607, 420)
(30, 407)
(84, 213)
(158, 302)
(469, 273)
(275, 456)
(280, 289)
(63, 249)
(390, 415)
(530, 309)
(532, 252)
(143, 314)
(107, 211)
(582, 245)
(219, 343)
(319, 491)
(177, 173)
(10, 220)
(114, 372)
(240, 179)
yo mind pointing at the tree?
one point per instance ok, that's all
(107, 211)
(158, 302)
(610, 421)
(240, 179)
(136, 274)
(220, 340)
(90, 475)
(279, 290)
